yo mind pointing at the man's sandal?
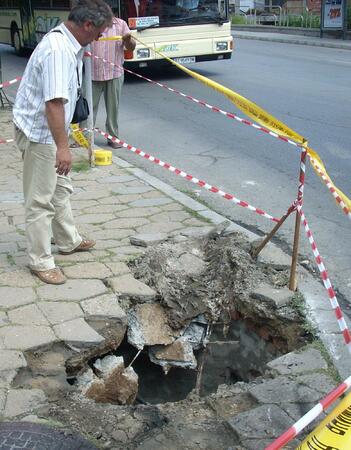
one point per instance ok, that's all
(85, 245)
(51, 276)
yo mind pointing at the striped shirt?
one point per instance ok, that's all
(112, 51)
(51, 73)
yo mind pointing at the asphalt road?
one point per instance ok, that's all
(308, 88)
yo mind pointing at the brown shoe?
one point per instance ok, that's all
(85, 245)
(114, 144)
(51, 276)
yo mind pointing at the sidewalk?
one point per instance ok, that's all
(111, 204)
(291, 39)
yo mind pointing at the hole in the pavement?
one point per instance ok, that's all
(216, 319)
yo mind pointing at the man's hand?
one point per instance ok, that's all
(128, 42)
(63, 160)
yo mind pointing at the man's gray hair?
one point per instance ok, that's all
(97, 12)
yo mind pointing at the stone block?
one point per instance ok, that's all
(274, 297)
(58, 312)
(10, 359)
(139, 212)
(128, 286)
(144, 202)
(78, 333)
(25, 337)
(148, 325)
(10, 297)
(118, 268)
(132, 222)
(159, 227)
(146, 240)
(104, 307)
(273, 391)
(296, 363)
(132, 189)
(73, 290)
(88, 270)
(3, 319)
(17, 278)
(263, 422)
(23, 401)
(27, 315)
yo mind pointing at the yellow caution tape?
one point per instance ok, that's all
(334, 432)
(78, 136)
(256, 113)
(110, 38)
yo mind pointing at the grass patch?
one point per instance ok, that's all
(10, 259)
(80, 166)
(238, 20)
(298, 304)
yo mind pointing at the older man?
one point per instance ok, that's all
(42, 113)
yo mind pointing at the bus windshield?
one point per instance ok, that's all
(176, 12)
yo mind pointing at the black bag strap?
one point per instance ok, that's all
(79, 88)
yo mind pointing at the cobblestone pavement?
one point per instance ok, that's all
(110, 205)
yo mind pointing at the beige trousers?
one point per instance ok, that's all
(47, 203)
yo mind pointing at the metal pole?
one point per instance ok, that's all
(89, 96)
(293, 277)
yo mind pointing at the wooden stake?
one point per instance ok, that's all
(255, 252)
(293, 272)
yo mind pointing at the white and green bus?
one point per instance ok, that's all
(184, 30)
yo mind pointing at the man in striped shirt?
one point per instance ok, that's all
(108, 78)
(42, 113)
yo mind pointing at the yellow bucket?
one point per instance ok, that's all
(103, 157)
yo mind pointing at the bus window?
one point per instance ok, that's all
(61, 4)
(41, 4)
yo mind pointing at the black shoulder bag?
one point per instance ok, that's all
(81, 111)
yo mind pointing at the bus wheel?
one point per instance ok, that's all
(16, 42)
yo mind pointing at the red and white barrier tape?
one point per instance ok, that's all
(6, 141)
(327, 283)
(202, 103)
(331, 189)
(8, 83)
(218, 110)
(191, 178)
(312, 414)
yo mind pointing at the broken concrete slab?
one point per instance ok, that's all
(128, 286)
(104, 307)
(277, 298)
(145, 240)
(78, 333)
(148, 325)
(115, 384)
(178, 354)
